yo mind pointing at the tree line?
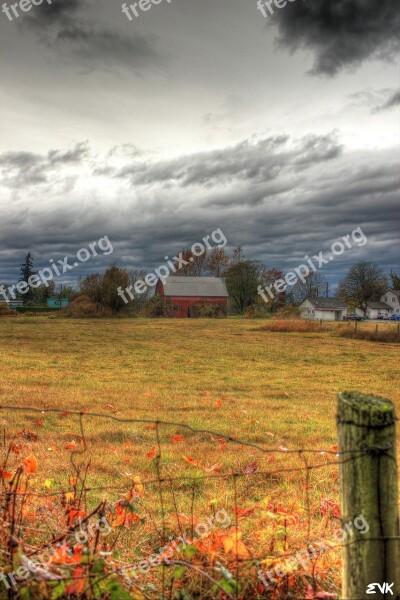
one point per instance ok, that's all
(364, 282)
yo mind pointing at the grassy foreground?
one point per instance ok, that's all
(277, 390)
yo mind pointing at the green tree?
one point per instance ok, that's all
(395, 280)
(43, 292)
(103, 289)
(26, 272)
(242, 280)
(91, 286)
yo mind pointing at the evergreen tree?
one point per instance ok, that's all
(26, 272)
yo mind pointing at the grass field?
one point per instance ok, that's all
(277, 390)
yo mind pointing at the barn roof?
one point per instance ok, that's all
(195, 286)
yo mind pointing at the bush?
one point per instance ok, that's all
(6, 312)
(258, 311)
(156, 308)
(35, 309)
(289, 311)
(209, 310)
(292, 326)
(83, 306)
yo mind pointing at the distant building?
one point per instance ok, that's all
(323, 309)
(392, 298)
(375, 310)
(389, 305)
(188, 294)
(57, 302)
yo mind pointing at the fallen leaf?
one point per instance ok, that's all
(30, 465)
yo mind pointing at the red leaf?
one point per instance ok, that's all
(152, 453)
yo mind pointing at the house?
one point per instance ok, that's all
(188, 294)
(389, 305)
(323, 309)
(374, 309)
(392, 298)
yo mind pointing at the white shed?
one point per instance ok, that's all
(323, 309)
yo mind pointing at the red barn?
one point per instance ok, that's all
(188, 294)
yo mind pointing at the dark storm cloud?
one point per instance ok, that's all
(257, 161)
(277, 197)
(393, 101)
(341, 33)
(66, 26)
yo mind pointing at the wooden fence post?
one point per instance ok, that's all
(368, 487)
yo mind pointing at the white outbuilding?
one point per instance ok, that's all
(323, 309)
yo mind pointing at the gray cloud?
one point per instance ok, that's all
(341, 33)
(256, 160)
(20, 169)
(277, 197)
(393, 100)
(65, 26)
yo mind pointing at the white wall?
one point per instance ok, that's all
(329, 315)
(392, 300)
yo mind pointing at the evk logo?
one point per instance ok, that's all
(384, 588)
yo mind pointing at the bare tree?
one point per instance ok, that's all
(218, 262)
(365, 282)
(313, 286)
(191, 265)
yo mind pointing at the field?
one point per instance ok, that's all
(275, 390)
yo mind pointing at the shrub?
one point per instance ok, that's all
(6, 312)
(83, 306)
(289, 311)
(209, 310)
(30, 310)
(156, 308)
(292, 326)
(258, 311)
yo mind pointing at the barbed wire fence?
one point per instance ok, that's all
(230, 557)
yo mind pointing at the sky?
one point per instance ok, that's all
(195, 115)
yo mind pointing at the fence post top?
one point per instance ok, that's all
(365, 409)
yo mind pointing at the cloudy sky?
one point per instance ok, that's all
(197, 114)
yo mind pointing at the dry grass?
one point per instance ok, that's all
(293, 326)
(278, 391)
(384, 334)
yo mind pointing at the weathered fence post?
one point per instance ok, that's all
(368, 486)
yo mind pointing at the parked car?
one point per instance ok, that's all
(383, 317)
(395, 318)
(353, 317)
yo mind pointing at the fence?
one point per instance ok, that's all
(257, 524)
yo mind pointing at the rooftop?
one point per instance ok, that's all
(195, 286)
(328, 303)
